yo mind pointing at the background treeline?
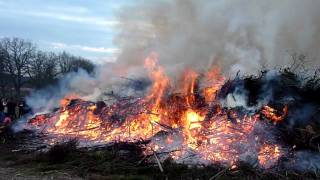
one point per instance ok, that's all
(23, 65)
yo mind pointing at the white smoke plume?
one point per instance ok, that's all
(243, 35)
(237, 35)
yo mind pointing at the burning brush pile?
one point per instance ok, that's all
(267, 121)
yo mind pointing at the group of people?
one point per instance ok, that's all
(11, 110)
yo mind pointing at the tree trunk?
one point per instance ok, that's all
(3, 92)
(18, 91)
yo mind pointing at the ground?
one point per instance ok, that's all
(12, 166)
(66, 161)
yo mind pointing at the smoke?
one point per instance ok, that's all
(79, 83)
(304, 161)
(89, 87)
(237, 98)
(236, 35)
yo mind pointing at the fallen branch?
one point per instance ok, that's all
(80, 130)
(166, 127)
(158, 161)
(219, 173)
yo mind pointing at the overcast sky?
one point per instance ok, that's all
(81, 27)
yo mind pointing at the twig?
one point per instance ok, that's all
(130, 79)
(158, 161)
(145, 157)
(80, 130)
(219, 173)
(166, 127)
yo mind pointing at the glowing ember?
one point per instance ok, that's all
(195, 124)
(272, 113)
(269, 155)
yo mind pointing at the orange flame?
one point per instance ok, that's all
(272, 113)
(215, 80)
(215, 138)
(160, 80)
(188, 85)
(269, 155)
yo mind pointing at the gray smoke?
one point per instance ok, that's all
(304, 161)
(89, 87)
(243, 35)
(236, 35)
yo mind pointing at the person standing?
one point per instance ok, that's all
(5, 107)
(17, 111)
(11, 108)
(2, 115)
(1, 105)
(21, 108)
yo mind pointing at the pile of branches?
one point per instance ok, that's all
(300, 128)
(300, 93)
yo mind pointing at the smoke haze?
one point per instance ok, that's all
(237, 35)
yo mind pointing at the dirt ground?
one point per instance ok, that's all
(17, 163)
(8, 170)
(24, 174)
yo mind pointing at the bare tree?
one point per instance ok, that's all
(83, 64)
(68, 63)
(3, 77)
(20, 61)
(64, 61)
(42, 69)
(17, 56)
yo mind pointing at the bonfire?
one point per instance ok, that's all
(198, 121)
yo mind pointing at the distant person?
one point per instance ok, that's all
(5, 107)
(7, 121)
(1, 105)
(2, 116)
(11, 108)
(22, 108)
(17, 111)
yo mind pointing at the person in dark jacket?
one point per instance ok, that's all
(11, 108)
(2, 117)
(22, 108)
(1, 105)
(5, 107)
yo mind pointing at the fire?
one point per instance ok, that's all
(66, 100)
(188, 84)
(272, 113)
(194, 121)
(63, 119)
(215, 80)
(160, 80)
(268, 155)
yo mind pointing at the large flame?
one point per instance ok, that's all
(194, 121)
